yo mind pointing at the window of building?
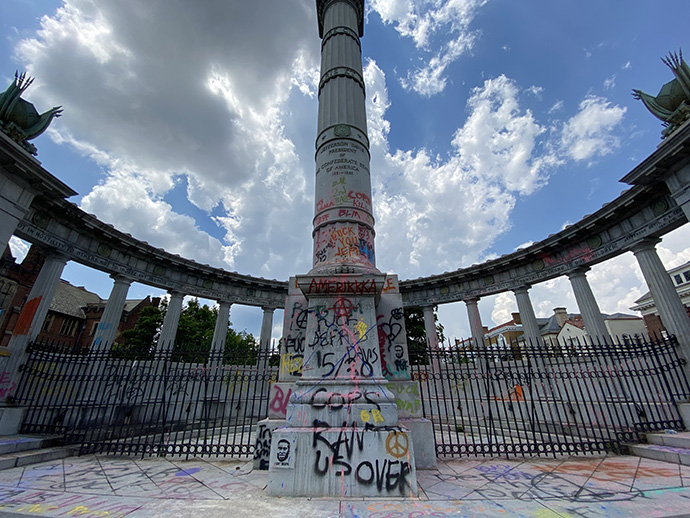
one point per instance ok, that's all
(95, 326)
(69, 326)
(678, 279)
(48, 323)
(687, 276)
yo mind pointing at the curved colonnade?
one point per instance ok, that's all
(658, 202)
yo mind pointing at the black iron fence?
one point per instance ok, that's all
(550, 398)
(520, 399)
(179, 401)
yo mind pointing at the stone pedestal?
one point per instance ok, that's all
(341, 435)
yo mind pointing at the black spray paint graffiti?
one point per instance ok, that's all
(388, 333)
(388, 475)
(332, 333)
(262, 447)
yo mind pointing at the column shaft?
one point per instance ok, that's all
(430, 327)
(220, 332)
(527, 317)
(33, 315)
(476, 327)
(112, 314)
(673, 314)
(266, 330)
(589, 309)
(166, 340)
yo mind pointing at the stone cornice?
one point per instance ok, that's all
(62, 226)
(26, 170)
(640, 212)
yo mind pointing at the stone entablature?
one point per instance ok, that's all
(636, 214)
(61, 225)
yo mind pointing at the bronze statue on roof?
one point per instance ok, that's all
(18, 118)
(672, 103)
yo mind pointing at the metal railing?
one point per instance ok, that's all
(167, 402)
(550, 398)
(520, 399)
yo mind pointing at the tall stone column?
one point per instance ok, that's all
(266, 329)
(220, 331)
(32, 316)
(589, 309)
(342, 391)
(166, 340)
(527, 317)
(673, 314)
(430, 327)
(476, 327)
(112, 314)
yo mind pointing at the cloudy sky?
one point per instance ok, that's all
(493, 123)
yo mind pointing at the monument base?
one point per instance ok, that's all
(11, 419)
(262, 444)
(342, 462)
(424, 445)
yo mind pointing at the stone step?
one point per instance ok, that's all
(24, 458)
(17, 443)
(661, 452)
(21, 450)
(675, 440)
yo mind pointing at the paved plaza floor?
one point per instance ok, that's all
(107, 486)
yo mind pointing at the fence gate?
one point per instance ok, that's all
(553, 398)
(179, 401)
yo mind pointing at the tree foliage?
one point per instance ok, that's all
(140, 342)
(193, 341)
(417, 345)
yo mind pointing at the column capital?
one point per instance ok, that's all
(176, 293)
(225, 301)
(648, 243)
(56, 255)
(524, 288)
(470, 300)
(580, 271)
(121, 279)
(269, 309)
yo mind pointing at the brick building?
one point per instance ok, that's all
(74, 311)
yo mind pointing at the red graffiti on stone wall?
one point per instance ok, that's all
(27, 316)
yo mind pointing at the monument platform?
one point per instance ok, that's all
(117, 487)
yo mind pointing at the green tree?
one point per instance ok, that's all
(140, 342)
(240, 348)
(194, 333)
(417, 347)
(193, 340)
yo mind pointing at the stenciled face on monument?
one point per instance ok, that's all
(283, 450)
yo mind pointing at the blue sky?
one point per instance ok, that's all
(493, 124)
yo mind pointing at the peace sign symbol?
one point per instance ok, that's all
(397, 444)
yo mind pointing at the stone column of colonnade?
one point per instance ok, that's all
(672, 312)
(166, 340)
(430, 327)
(28, 327)
(112, 314)
(266, 329)
(530, 327)
(220, 331)
(587, 304)
(476, 326)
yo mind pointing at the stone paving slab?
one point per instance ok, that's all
(117, 487)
